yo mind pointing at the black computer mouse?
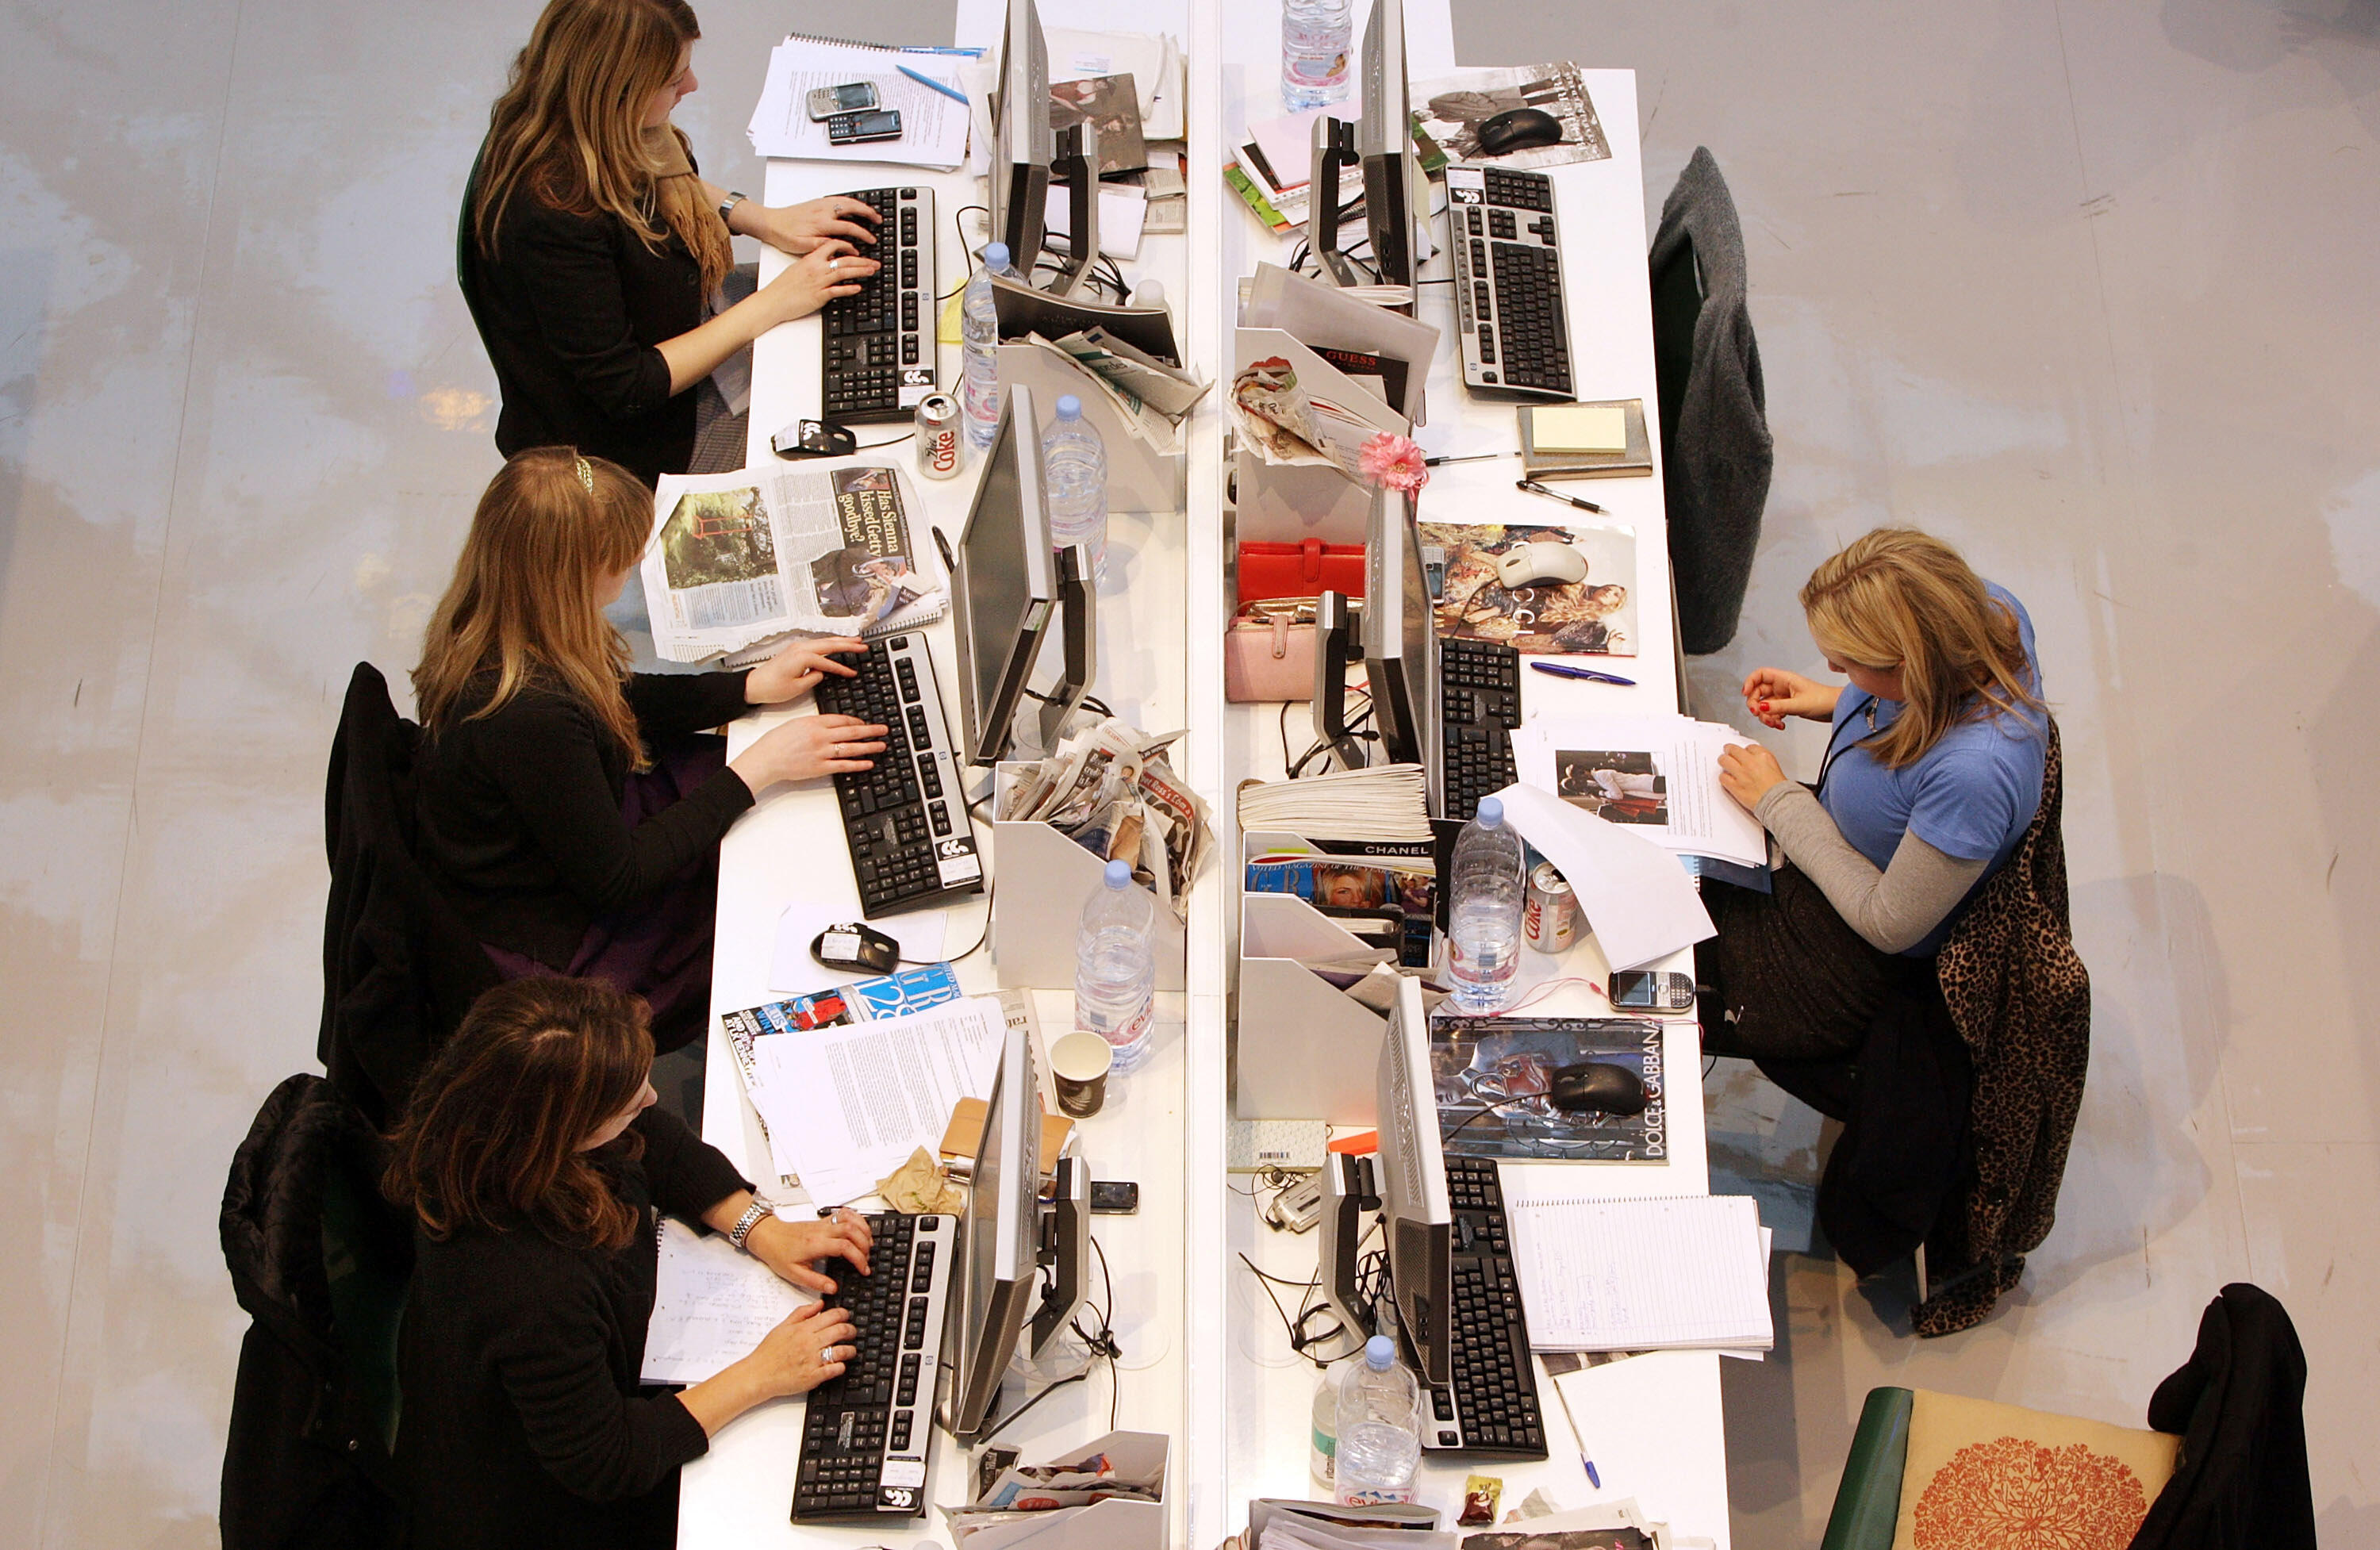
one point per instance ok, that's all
(1598, 1087)
(1519, 129)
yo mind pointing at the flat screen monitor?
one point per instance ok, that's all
(1414, 1211)
(1002, 1234)
(1400, 635)
(1023, 142)
(1385, 140)
(1006, 582)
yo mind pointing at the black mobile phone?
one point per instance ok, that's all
(1111, 1199)
(1643, 991)
(858, 129)
(851, 97)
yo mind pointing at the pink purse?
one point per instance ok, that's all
(1269, 651)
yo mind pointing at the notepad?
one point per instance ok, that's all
(1687, 1273)
(1581, 428)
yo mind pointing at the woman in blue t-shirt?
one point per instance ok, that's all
(1932, 775)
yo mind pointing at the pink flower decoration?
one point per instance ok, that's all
(1394, 463)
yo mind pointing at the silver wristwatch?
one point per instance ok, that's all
(754, 1215)
(730, 202)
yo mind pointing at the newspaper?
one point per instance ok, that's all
(1289, 426)
(819, 548)
(1112, 791)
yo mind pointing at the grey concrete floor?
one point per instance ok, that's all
(2087, 290)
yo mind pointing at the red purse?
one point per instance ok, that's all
(1300, 570)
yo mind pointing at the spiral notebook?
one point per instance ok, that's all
(1685, 1273)
(933, 127)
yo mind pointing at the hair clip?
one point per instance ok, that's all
(586, 476)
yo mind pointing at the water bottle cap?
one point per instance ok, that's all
(995, 255)
(1119, 873)
(1070, 408)
(1380, 1353)
(1492, 812)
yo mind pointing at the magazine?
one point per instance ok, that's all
(1595, 616)
(1458, 106)
(1112, 106)
(823, 549)
(1360, 890)
(1478, 1061)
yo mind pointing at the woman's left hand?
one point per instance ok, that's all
(797, 669)
(790, 1248)
(797, 228)
(1747, 771)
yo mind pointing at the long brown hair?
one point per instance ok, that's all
(1899, 599)
(491, 1136)
(569, 129)
(523, 600)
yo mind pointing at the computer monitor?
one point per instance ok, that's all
(1001, 1238)
(1004, 584)
(1400, 635)
(1023, 142)
(1414, 1211)
(1384, 139)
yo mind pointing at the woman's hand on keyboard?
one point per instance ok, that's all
(795, 671)
(805, 1351)
(797, 228)
(829, 270)
(807, 747)
(791, 1248)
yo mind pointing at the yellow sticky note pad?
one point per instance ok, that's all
(1579, 428)
(947, 331)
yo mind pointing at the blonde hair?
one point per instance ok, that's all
(1899, 600)
(523, 600)
(570, 129)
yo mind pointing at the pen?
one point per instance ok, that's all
(1468, 457)
(1533, 488)
(1592, 1478)
(1563, 670)
(953, 93)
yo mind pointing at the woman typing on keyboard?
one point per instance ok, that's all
(592, 253)
(531, 1161)
(569, 810)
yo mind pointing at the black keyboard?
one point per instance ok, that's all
(1491, 1408)
(1508, 288)
(905, 821)
(865, 1434)
(879, 357)
(1479, 704)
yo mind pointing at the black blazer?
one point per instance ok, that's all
(520, 811)
(518, 1357)
(572, 311)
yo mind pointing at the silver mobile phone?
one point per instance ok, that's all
(856, 96)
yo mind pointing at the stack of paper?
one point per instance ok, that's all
(1689, 1273)
(1657, 775)
(1388, 803)
(933, 128)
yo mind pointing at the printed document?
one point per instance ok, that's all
(1657, 774)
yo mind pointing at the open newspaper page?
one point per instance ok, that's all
(737, 559)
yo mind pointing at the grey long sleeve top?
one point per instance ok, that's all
(1893, 910)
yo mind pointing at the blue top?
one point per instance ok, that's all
(1972, 796)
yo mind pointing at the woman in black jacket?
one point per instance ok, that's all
(591, 249)
(571, 810)
(532, 1162)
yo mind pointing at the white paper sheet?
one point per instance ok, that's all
(793, 971)
(1123, 209)
(933, 128)
(712, 1305)
(845, 1107)
(1642, 1275)
(1702, 818)
(1637, 900)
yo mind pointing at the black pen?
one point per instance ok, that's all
(1533, 488)
(1467, 457)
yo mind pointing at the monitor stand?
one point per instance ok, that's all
(1065, 1252)
(1334, 153)
(1077, 167)
(1348, 1192)
(1337, 643)
(1078, 626)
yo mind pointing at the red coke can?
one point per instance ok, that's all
(938, 436)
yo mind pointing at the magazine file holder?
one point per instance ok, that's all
(1043, 881)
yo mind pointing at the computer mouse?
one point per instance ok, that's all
(1598, 1087)
(1542, 564)
(1519, 129)
(856, 945)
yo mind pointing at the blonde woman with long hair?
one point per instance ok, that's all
(571, 810)
(1932, 775)
(591, 247)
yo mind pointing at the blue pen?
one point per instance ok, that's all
(954, 93)
(1562, 670)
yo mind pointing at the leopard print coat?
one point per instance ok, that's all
(2021, 1001)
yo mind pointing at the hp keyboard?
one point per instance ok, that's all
(1491, 1407)
(864, 1433)
(1479, 704)
(1508, 292)
(905, 821)
(879, 357)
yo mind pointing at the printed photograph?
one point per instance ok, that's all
(1617, 784)
(720, 537)
(1505, 1067)
(1592, 616)
(1111, 104)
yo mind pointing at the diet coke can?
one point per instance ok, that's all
(938, 436)
(1549, 916)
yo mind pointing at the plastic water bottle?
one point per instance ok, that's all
(1483, 933)
(980, 327)
(1322, 1446)
(1075, 484)
(1148, 293)
(1115, 972)
(1316, 36)
(1379, 1428)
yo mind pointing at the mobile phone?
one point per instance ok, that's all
(1111, 1199)
(1641, 990)
(858, 129)
(856, 96)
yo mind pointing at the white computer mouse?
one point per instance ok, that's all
(1542, 564)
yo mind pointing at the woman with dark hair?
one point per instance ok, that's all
(532, 1162)
(571, 810)
(591, 250)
